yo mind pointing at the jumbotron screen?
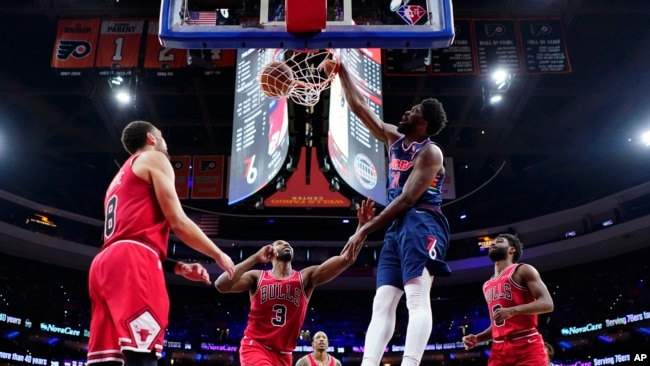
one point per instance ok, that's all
(359, 158)
(260, 138)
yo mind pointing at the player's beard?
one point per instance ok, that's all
(285, 256)
(498, 254)
(404, 128)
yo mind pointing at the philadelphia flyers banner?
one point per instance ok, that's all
(119, 46)
(181, 165)
(75, 46)
(207, 177)
(161, 60)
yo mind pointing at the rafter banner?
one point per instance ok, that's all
(119, 46)
(75, 46)
(207, 177)
(181, 165)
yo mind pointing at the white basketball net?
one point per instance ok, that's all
(309, 76)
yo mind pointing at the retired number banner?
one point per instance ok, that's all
(119, 44)
(161, 59)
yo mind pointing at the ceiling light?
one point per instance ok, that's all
(495, 99)
(116, 80)
(645, 138)
(123, 97)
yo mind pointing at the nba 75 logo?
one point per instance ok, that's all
(76, 49)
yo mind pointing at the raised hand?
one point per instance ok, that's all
(330, 67)
(366, 211)
(194, 272)
(266, 254)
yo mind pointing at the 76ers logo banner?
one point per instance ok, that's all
(76, 43)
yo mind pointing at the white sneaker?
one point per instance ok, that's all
(395, 4)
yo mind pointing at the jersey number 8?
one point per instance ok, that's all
(109, 224)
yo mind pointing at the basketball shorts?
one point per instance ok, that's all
(417, 240)
(527, 351)
(253, 353)
(129, 302)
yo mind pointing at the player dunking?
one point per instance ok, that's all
(319, 357)
(515, 294)
(129, 299)
(279, 298)
(418, 236)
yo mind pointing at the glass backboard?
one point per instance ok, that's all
(196, 24)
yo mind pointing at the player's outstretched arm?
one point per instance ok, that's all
(243, 278)
(161, 175)
(193, 272)
(382, 131)
(331, 268)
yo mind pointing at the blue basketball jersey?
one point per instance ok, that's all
(400, 167)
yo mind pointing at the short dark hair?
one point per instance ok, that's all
(514, 242)
(434, 113)
(134, 135)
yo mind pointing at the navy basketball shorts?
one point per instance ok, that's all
(417, 240)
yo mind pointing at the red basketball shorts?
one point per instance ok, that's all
(528, 351)
(129, 302)
(253, 353)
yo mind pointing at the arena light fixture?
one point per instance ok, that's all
(495, 99)
(259, 204)
(645, 138)
(335, 185)
(291, 164)
(281, 185)
(123, 97)
(501, 79)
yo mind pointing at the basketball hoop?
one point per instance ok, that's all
(310, 77)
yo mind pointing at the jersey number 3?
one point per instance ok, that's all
(109, 225)
(280, 315)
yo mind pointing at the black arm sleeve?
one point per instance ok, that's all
(169, 265)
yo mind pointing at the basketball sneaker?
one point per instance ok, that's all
(396, 4)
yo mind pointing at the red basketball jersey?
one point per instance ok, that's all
(313, 362)
(278, 310)
(503, 292)
(132, 212)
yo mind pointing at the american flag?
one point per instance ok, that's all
(202, 18)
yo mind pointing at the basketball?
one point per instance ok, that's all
(276, 80)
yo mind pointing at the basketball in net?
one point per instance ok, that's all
(276, 80)
(311, 72)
